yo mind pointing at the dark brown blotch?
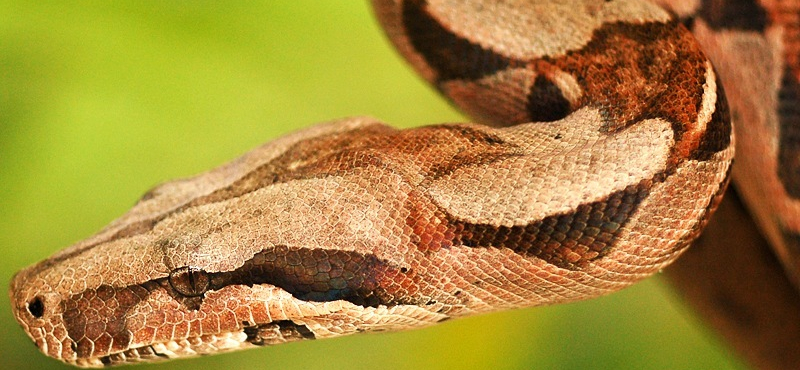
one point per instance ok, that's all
(740, 15)
(327, 275)
(571, 240)
(546, 101)
(789, 133)
(717, 136)
(453, 57)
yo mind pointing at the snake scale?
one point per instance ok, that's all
(605, 146)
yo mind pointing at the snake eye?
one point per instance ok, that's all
(189, 281)
(36, 307)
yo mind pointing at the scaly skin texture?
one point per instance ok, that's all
(607, 149)
(731, 276)
(764, 92)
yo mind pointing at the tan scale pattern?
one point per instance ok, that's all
(353, 226)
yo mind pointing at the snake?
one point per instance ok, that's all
(602, 146)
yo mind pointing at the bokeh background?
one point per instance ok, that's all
(101, 101)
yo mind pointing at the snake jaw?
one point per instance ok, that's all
(182, 348)
(65, 326)
(354, 319)
(173, 349)
(248, 337)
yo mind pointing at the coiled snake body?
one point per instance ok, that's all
(607, 149)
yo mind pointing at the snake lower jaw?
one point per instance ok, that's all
(180, 348)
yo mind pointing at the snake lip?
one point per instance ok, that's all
(179, 348)
(147, 353)
(274, 332)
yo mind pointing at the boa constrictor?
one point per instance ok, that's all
(608, 149)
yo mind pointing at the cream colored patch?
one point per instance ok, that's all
(362, 212)
(544, 28)
(569, 86)
(709, 103)
(563, 164)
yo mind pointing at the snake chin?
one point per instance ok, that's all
(276, 332)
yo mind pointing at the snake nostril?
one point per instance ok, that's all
(36, 307)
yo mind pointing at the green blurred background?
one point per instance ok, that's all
(101, 101)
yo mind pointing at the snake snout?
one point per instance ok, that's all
(37, 307)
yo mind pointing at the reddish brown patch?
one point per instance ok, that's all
(640, 71)
(630, 71)
(434, 150)
(95, 319)
(429, 229)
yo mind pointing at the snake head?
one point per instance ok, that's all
(248, 254)
(106, 325)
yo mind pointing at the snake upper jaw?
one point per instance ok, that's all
(183, 348)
